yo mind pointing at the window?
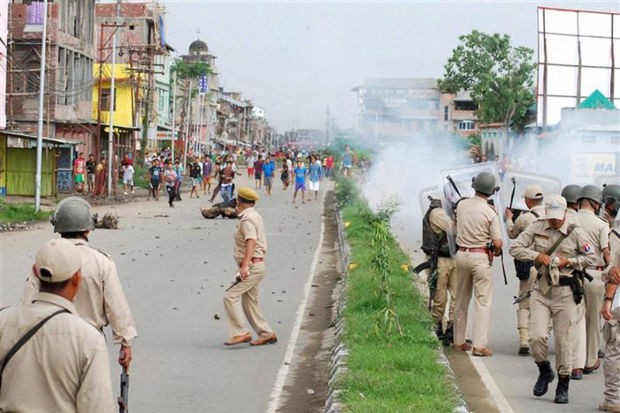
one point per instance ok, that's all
(466, 125)
(105, 100)
(445, 113)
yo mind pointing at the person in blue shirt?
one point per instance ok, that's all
(315, 174)
(347, 161)
(269, 167)
(300, 180)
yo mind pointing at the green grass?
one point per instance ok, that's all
(387, 371)
(12, 213)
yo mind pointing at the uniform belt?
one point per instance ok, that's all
(597, 267)
(257, 259)
(565, 281)
(478, 249)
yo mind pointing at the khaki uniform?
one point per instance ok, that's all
(523, 312)
(446, 272)
(476, 225)
(100, 299)
(550, 300)
(64, 367)
(611, 335)
(587, 334)
(250, 226)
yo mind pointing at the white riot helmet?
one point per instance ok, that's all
(73, 214)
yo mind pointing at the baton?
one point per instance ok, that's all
(449, 178)
(525, 296)
(237, 281)
(512, 194)
(123, 399)
(503, 268)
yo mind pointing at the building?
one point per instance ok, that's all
(403, 108)
(144, 55)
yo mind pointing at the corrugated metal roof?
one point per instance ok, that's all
(32, 137)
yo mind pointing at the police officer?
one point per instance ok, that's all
(249, 253)
(63, 366)
(477, 225)
(558, 248)
(435, 228)
(611, 198)
(101, 300)
(611, 328)
(571, 194)
(596, 232)
(533, 197)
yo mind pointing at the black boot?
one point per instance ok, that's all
(561, 392)
(545, 376)
(448, 336)
(439, 331)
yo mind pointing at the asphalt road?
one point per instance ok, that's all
(513, 375)
(175, 266)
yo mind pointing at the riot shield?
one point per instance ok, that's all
(456, 185)
(424, 197)
(514, 185)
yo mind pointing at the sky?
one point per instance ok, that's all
(296, 59)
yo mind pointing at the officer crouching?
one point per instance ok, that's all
(560, 252)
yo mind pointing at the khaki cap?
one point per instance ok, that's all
(59, 258)
(555, 206)
(248, 194)
(533, 192)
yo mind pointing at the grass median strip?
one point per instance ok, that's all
(393, 357)
(11, 213)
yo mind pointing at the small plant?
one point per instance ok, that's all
(346, 192)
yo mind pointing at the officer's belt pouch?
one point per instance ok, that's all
(523, 268)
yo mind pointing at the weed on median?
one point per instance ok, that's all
(11, 213)
(393, 357)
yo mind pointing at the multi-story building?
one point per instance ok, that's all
(201, 120)
(142, 52)
(232, 113)
(408, 107)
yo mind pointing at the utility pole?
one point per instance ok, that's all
(174, 111)
(188, 121)
(111, 168)
(327, 128)
(37, 178)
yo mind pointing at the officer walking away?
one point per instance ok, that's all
(611, 328)
(611, 198)
(478, 238)
(100, 300)
(249, 254)
(442, 272)
(559, 249)
(533, 197)
(596, 231)
(60, 362)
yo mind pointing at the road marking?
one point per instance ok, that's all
(278, 386)
(496, 394)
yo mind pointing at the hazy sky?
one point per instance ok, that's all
(294, 59)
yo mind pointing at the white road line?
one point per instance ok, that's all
(278, 386)
(496, 394)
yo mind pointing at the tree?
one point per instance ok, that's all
(498, 75)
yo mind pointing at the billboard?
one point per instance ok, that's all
(578, 53)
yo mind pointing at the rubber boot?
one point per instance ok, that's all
(448, 336)
(545, 376)
(561, 392)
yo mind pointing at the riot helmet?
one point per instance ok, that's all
(571, 193)
(591, 192)
(611, 194)
(73, 214)
(484, 183)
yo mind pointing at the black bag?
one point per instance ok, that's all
(523, 268)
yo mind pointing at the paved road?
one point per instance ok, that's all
(514, 375)
(174, 266)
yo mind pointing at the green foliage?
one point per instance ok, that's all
(346, 192)
(499, 76)
(12, 213)
(392, 363)
(190, 70)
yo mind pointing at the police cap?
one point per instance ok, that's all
(247, 194)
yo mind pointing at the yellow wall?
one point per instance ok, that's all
(124, 98)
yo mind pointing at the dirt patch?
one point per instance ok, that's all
(306, 387)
